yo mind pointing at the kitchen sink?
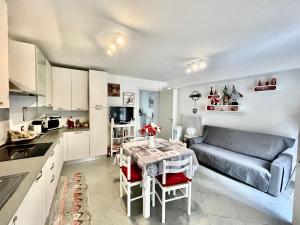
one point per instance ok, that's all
(8, 185)
(22, 151)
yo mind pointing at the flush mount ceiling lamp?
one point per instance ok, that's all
(195, 66)
(116, 41)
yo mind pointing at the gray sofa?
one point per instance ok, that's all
(263, 161)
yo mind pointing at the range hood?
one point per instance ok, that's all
(17, 89)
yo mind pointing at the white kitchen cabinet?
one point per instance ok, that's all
(98, 88)
(62, 88)
(49, 101)
(79, 90)
(98, 131)
(98, 113)
(4, 75)
(78, 144)
(53, 168)
(27, 67)
(46, 101)
(33, 208)
(70, 89)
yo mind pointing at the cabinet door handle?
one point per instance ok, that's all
(78, 132)
(51, 168)
(53, 177)
(1, 103)
(14, 220)
(39, 176)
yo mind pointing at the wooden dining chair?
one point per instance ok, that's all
(130, 176)
(177, 175)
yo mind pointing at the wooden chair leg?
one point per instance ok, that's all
(190, 199)
(163, 206)
(128, 199)
(153, 192)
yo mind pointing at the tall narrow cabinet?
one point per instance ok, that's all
(98, 113)
(4, 92)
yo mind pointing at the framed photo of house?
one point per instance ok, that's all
(128, 98)
(113, 90)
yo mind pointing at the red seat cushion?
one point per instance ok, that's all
(174, 179)
(136, 173)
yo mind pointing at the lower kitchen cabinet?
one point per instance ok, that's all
(37, 203)
(33, 208)
(53, 168)
(78, 144)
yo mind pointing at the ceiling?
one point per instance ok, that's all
(237, 37)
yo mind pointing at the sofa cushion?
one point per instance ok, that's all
(263, 146)
(250, 170)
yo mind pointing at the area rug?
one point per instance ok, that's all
(71, 203)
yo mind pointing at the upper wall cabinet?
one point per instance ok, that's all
(46, 101)
(4, 90)
(79, 90)
(27, 67)
(62, 89)
(70, 89)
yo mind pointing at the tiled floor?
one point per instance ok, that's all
(216, 200)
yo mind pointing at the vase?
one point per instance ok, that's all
(151, 143)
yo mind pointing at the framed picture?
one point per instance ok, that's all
(151, 101)
(113, 90)
(128, 98)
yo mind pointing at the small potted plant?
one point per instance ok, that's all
(150, 130)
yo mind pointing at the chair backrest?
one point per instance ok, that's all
(125, 161)
(177, 166)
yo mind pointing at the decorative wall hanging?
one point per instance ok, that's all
(234, 96)
(151, 101)
(195, 96)
(226, 96)
(113, 90)
(128, 98)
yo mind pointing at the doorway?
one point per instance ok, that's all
(148, 107)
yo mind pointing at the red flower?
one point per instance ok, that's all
(149, 129)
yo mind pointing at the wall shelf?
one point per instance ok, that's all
(223, 108)
(120, 133)
(265, 88)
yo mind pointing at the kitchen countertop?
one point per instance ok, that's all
(30, 165)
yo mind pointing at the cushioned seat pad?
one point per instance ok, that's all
(136, 173)
(174, 179)
(250, 170)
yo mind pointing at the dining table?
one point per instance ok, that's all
(150, 160)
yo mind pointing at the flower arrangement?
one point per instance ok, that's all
(150, 129)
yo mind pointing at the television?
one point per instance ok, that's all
(121, 114)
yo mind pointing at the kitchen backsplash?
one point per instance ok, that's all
(23, 110)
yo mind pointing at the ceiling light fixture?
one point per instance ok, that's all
(199, 64)
(119, 40)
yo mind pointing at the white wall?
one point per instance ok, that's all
(128, 84)
(268, 112)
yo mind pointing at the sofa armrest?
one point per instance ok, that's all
(195, 140)
(281, 171)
